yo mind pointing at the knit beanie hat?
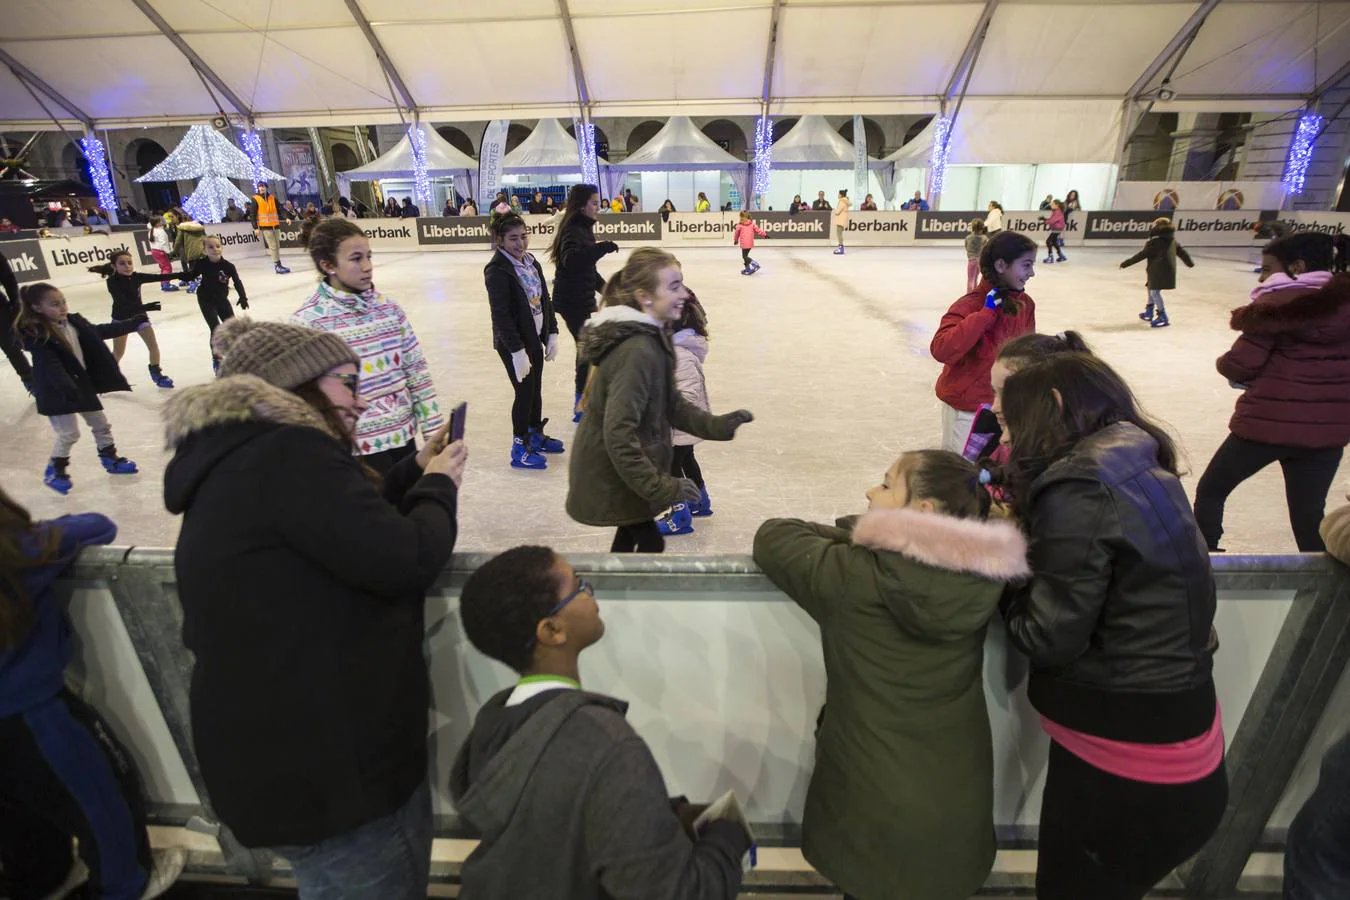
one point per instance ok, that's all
(283, 355)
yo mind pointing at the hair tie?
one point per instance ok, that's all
(985, 477)
(1062, 336)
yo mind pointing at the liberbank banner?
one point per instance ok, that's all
(384, 234)
(714, 229)
(954, 226)
(468, 232)
(237, 241)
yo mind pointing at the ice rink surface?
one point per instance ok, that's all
(829, 352)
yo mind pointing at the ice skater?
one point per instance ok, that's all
(525, 336)
(71, 367)
(1054, 244)
(743, 236)
(213, 273)
(975, 326)
(189, 244)
(1161, 250)
(690, 340)
(839, 219)
(160, 249)
(124, 284)
(975, 241)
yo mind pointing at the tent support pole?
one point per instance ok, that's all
(965, 70)
(386, 63)
(194, 60)
(23, 74)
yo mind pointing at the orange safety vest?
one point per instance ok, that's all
(267, 211)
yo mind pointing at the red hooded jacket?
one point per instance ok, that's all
(967, 344)
(1294, 358)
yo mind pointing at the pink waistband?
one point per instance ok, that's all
(1180, 763)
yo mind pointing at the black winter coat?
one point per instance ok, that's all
(1161, 251)
(512, 322)
(575, 280)
(1117, 615)
(126, 292)
(61, 384)
(303, 592)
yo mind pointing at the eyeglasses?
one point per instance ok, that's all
(351, 381)
(583, 587)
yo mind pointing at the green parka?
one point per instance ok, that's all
(619, 470)
(900, 805)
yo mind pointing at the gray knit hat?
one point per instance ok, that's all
(283, 355)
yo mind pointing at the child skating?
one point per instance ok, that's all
(124, 284)
(71, 367)
(839, 219)
(690, 340)
(189, 244)
(160, 248)
(743, 236)
(213, 274)
(1054, 244)
(975, 241)
(1161, 251)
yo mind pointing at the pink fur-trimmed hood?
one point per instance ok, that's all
(990, 549)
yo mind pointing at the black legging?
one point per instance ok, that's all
(683, 464)
(644, 537)
(1308, 475)
(1054, 244)
(527, 410)
(215, 309)
(575, 319)
(745, 256)
(1109, 838)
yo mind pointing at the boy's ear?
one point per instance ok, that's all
(1298, 267)
(550, 632)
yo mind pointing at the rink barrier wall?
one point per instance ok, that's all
(64, 258)
(725, 679)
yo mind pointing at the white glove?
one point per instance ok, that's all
(520, 361)
(551, 348)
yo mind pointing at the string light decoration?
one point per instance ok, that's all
(421, 183)
(98, 171)
(1301, 152)
(590, 166)
(208, 156)
(253, 148)
(942, 132)
(763, 155)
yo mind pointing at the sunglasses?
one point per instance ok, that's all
(351, 382)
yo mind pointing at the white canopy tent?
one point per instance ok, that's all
(813, 144)
(1041, 63)
(549, 150)
(443, 161)
(681, 147)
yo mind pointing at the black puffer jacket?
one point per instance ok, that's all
(512, 322)
(63, 386)
(575, 280)
(1117, 616)
(1161, 251)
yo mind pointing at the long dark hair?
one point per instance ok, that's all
(322, 237)
(311, 393)
(16, 607)
(948, 479)
(1091, 396)
(108, 269)
(693, 316)
(29, 321)
(577, 198)
(1007, 246)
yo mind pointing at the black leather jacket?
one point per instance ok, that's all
(1122, 597)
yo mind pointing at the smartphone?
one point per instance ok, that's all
(457, 422)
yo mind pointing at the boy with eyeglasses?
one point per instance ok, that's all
(565, 795)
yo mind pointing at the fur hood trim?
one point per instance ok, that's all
(612, 326)
(622, 314)
(990, 549)
(232, 400)
(1292, 309)
(190, 225)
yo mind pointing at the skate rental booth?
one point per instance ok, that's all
(723, 672)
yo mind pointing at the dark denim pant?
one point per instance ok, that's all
(1317, 855)
(388, 859)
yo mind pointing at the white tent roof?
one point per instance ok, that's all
(397, 162)
(813, 144)
(312, 62)
(679, 147)
(548, 149)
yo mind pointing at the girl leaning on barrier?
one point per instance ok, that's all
(1117, 621)
(303, 579)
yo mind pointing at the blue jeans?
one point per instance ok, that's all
(1317, 853)
(1155, 299)
(387, 859)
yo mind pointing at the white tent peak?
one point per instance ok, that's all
(397, 162)
(680, 147)
(918, 150)
(549, 148)
(813, 144)
(205, 152)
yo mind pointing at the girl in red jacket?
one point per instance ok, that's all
(975, 327)
(744, 237)
(1292, 363)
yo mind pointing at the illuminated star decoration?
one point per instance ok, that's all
(942, 132)
(98, 171)
(421, 183)
(763, 155)
(208, 156)
(1301, 152)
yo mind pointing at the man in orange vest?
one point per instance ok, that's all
(266, 221)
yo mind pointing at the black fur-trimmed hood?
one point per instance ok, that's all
(1321, 314)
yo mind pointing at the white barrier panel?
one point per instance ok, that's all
(384, 234)
(714, 229)
(950, 226)
(880, 229)
(1166, 196)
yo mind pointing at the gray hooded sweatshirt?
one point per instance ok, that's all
(570, 805)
